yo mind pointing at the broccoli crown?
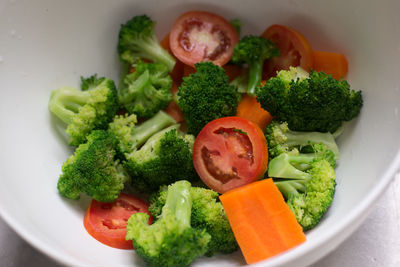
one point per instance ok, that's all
(318, 103)
(137, 40)
(254, 50)
(93, 169)
(166, 157)
(307, 181)
(207, 213)
(206, 95)
(85, 110)
(132, 136)
(147, 90)
(310, 206)
(281, 139)
(170, 241)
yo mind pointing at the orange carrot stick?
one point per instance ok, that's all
(250, 109)
(330, 63)
(261, 220)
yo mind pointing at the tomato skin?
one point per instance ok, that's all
(230, 151)
(106, 222)
(199, 49)
(294, 47)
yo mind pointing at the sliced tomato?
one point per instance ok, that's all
(293, 46)
(230, 152)
(106, 222)
(198, 36)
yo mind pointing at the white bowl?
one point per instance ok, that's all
(45, 44)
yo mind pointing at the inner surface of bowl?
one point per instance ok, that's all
(46, 44)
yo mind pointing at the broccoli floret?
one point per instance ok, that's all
(317, 103)
(206, 95)
(94, 169)
(170, 241)
(85, 110)
(254, 50)
(207, 213)
(307, 181)
(147, 90)
(166, 157)
(132, 136)
(281, 139)
(137, 40)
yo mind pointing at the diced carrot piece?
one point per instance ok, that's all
(331, 63)
(261, 220)
(250, 109)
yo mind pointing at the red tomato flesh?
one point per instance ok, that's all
(106, 222)
(230, 152)
(198, 36)
(293, 46)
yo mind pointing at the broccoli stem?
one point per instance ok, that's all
(179, 201)
(156, 53)
(151, 126)
(65, 103)
(255, 73)
(140, 83)
(290, 187)
(287, 166)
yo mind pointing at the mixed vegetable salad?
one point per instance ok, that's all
(209, 143)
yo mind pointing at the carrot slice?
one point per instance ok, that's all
(173, 109)
(261, 220)
(330, 63)
(177, 72)
(250, 109)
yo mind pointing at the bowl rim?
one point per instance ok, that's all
(352, 216)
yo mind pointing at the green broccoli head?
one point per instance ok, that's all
(318, 103)
(207, 213)
(132, 136)
(310, 206)
(93, 169)
(147, 90)
(170, 241)
(85, 110)
(206, 95)
(281, 139)
(254, 50)
(307, 181)
(137, 40)
(166, 157)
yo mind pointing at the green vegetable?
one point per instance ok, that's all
(207, 213)
(307, 181)
(241, 82)
(147, 90)
(254, 50)
(94, 169)
(137, 40)
(86, 110)
(281, 139)
(166, 157)
(315, 103)
(170, 240)
(132, 136)
(205, 96)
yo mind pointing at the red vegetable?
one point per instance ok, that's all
(293, 46)
(230, 152)
(198, 36)
(106, 222)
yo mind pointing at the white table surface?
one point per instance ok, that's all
(375, 244)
